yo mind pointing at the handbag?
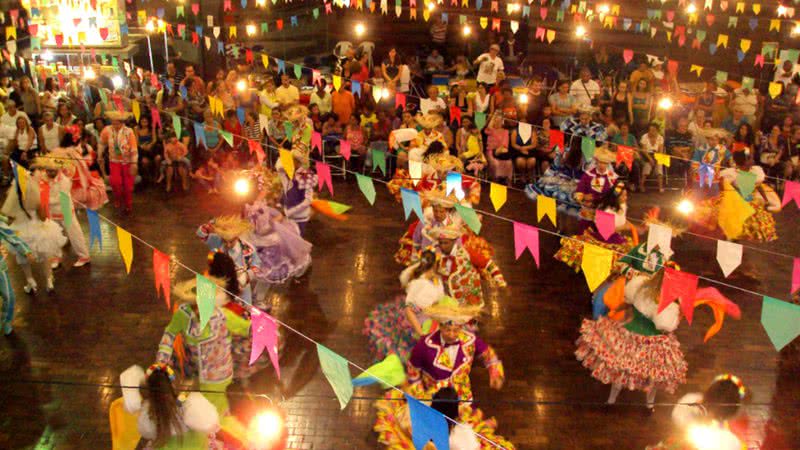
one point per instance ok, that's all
(593, 100)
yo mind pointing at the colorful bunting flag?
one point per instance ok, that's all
(427, 425)
(125, 242)
(287, 162)
(161, 275)
(526, 237)
(206, 295)
(498, 194)
(324, 176)
(546, 206)
(469, 217)
(729, 256)
(781, 321)
(681, 286)
(596, 264)
(264, 332)
(367, 187)
(336, 371)
(94, 229)
(65, 202)
(411, 202)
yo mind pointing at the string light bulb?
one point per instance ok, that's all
(117, 81)
(241, 186)
(515, 7)
(47, 56)
(431, 6)
(466, 31)
(665, 103)
(250, 29)
(603, 8)
(796, 29)
(691, 9)
(266, 429)
(580, 31)
(89, 74)
(523, 98)
(241, 85)
(385, 93)
(261, 2)
(150, 26)
(781, 10)
(685, 207)
(360, 29)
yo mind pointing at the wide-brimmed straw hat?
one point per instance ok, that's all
(604, 155)
(296, 112)
(448, 311)
(51, 162)
(714, 132)
(118, 115)
(445, 162)
(186, 291)
(429, 121)
(451, 231)
(231, 227)
(436, 197)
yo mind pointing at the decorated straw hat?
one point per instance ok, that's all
(296, 112)
(714, 132)
(603, 154)
(448, 311)
(437, 197)
(51, 162)
(186, 291)
(118, 115)
(429, 121)
(445, 162)
(231, 227)
(451, 231)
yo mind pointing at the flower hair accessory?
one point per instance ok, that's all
(162, 367)
(735, 380)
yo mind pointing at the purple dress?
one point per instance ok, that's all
(282, 253)
(593, 186)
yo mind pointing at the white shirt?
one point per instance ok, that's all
(11, 121)
(747, 103)
(426, 105)
(581, 96)
(323, 102)
(52, 138)
(487, 71)
(651, 146)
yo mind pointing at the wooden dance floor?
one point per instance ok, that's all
(100, 321)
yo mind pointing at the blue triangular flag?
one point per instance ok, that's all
(200, 134)
(739, 55)
(94, 228)
(712, 48)
(160, 13)
(356, 88)
(123, 29)
(244, 4)
(281, 65)
(240, 115)
(753, 23)
(168, 84)
(293, 21)
(199, 30)
(184, 92)
(220, 47)
(427, 424)
(444, 17)
(411, 202)
(453, 185)
(478, 4)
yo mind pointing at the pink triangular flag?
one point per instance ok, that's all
(195, 8)
(324, 176)
(791, 191)
(264, 331)
(400, 100)
(759, 60)
(605, 223)
(526, 236)
(155, 117)
(627, 55)
(161, 275)
(344, 149)
(796, 275)
(316, 141)
(678, 285)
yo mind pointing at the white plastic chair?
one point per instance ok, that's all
(367, 47)
(341, 49)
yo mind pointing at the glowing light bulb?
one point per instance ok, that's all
(515, 7)
(89, 74)
(796, 29)
(117, 81)
(251, 29)
(781, 10)
(665, 103)
(580, 31)
(385, 94)
(241, 85)
(603, 9)
(150, 26)
(47, 56)
(431, 6)
(523, 99)
(691, 9)
(261, 2)
(685, 207)
(241, 186)
(466, 31)
(266, 428)
(360, 29)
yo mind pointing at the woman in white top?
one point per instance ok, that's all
(49, 134)
(24, 141)
(481, 100)
(650, 143)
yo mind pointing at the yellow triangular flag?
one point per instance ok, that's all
(740, 7)
(733, 212)
(337, 82)
(546, 206)
(693, 19)
(722, 40)
(663, 159)
(608, 22)
(426, 14)
(232, 31)
(744, 44)
(135, 109)
(669, 36)
(484, 21)
(756, 8)
(775, 89)
(551, 35)
(265, 60)
(596, 264)
(775, 24)
(697, 69)
(22, 180)
(498, 194)
(11, 33)
(614, 10)
(287, 161)
(125, 247)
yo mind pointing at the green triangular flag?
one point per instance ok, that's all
(179, 11)
(469, 217)
(307, 135)
(389, 372)
(480, 120)
(288, 128)
(36, 43)
(336, 371)
(264, 27)
(103, 97)
(701, 36)
(746, 183)
(338, 208)
(748, 82)
(781, 321)
(114, 62)
(560, 15)
(733, 21)
(298, 71)
(315, 12)
(587, 148)
(103, 58)
(176, 125)
(227, 136)
(379, 160)
(206, 298)
(66, 208)
(721, 76)
(367, 187)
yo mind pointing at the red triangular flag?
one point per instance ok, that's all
(455, 114)
(316, 141)
(255, 147)
(625, 154)
(161, 275)
(400, 100)
(103, 33)
(627, 55)
(279, 24)
(557, 139)
(678, 285)
(344, 149)
(324, 176)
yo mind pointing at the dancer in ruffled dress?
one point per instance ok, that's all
(439, 360)
(594, 184)
(394, 327)
(298, 192)
(22, 250)
(634, 346)
(224, 234)
(43, 236)
(439, 211)
(88, 188)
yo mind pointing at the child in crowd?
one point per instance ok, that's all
(368, 120)
(355, 134)
(472, 156)
(316, 117)
(276, 133)
(209, 176)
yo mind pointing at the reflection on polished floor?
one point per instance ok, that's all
(101, 321)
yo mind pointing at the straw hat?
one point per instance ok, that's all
(714, 132)
(230, 227)
(451, 231)
(51, 162)
(118, 115)
(448, 311)
(429, 121)
(296, 112)
(445, 162)
(603, 154)
(437, 197)
(186, 292)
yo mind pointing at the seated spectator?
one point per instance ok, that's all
(355, 134)
(209, 176)
(316, 117)
(645, 163)
(287, 94)
(498, 154)
(434, 63)
(585, 90)
(524, 153)
(562, 103)
(433, 103)
(583, 126)
(276, 132)
(746, 100)
(545, 153)
(732, 123)
(321, 97)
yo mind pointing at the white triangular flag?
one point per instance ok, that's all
(415, 170)
(263, 122)
(729, 256)
(659, 235)
(524, 130)
(216, 31)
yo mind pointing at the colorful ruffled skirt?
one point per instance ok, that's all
(45, 239)
(389, 331)
(760, 227)
(394, 431)
(406, 250)
(571, 251)
(637, 362)
(240, 351)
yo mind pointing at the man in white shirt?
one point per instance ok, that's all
(489, 64)
(287, 94)
(584, 89)
(747, 101)
(785, 73)
(322, 98)
(11, 114)
(434, 103)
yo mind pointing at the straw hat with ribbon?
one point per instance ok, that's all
(452, 231)
(604, 155)
(445, 162)
(429, 121)
(118, 115)
(186, 291)
(231, 227)
(448, 311)
(437, 197)
(54, 161)
(296, 112)
(718, 133)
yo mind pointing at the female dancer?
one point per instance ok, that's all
(165, 419)
(88, 188)
(395, 327)
(224, 234)
(6, 291)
